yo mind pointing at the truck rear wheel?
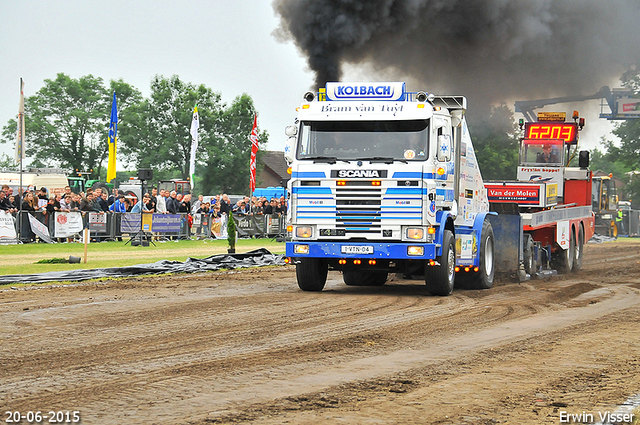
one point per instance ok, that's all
(484, 276)
(311, 274)
(562, 259)
(528, 255)
(364, 278)
(440, 278)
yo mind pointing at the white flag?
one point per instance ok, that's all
(20, 143)
(195, 124)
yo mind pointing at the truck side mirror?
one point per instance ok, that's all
(583, 159)
(291, 130)
(444, 148)
(289, 148)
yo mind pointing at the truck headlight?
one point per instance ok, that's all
(304, 232)
(415, 250)
(415, 233)
(301, 249)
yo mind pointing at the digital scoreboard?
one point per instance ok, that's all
(552, 130)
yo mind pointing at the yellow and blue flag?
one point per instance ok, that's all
(113, 140)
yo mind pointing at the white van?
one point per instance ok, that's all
(54, 182)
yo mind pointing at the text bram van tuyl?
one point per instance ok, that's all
(589, 418)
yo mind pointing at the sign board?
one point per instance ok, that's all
(7, 228)
(523, 193)
(67, 224)
(552, 116)
(628, 106)
(563, 131)
(366, 91)
(98, 222)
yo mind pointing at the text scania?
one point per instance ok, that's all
(363, 91)
(359, 173)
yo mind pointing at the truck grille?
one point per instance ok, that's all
(358, 210)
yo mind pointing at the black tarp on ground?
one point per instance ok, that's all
(258, 257)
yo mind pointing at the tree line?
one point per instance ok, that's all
(67, 123)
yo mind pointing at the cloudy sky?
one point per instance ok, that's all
(227, 45)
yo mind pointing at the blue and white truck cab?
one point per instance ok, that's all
(386, 181)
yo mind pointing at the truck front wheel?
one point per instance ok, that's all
(440, 278)
(311, 274)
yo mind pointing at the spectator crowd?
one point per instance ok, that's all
(157, 201)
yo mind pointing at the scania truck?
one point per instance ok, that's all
(385, 180)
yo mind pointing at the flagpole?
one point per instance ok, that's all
(253, 160)
(20, 141)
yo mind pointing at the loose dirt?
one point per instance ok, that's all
(250, 347)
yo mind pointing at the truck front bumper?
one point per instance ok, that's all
(387, 251)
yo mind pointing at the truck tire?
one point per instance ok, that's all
(102, 186)
(484, 276)
(579, 252)
(562, 259)
(440, 278)
(528, 256)
(311, 274)
(364, 278)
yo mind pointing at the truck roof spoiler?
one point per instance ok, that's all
(450, 102)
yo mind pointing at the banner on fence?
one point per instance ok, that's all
(39, 229)
(7, 228)
(67, 224)
(130, 223)
(169, 223)
(98, 222)
(162, 223)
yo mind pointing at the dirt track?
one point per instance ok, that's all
(248, 346)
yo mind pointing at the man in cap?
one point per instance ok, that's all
(547, 156)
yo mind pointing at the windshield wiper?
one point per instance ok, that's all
(385, 159)
(327, 159)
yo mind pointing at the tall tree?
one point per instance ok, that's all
(67, 120)
(155, 134)
(227, 168)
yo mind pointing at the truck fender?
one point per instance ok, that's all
(477, 226)
(442, 217)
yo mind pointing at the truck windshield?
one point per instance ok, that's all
(542, 152)
(354, 140)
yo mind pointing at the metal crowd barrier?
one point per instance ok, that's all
(119, 226)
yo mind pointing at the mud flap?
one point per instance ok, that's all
(507, 231)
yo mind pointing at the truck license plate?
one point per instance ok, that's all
(357, 249)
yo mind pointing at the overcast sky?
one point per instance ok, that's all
(225, 45)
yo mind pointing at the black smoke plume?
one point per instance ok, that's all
(488, 50)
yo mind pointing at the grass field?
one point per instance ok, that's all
(22, 259)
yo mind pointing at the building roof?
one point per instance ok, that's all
(275, 164)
